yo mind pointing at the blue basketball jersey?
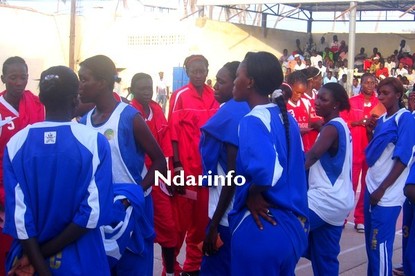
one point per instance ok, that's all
(264, 160)
(56, 174)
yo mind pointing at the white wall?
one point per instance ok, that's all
(43, 41)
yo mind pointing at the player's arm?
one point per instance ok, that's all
(209, 245)
(409, 191)
(397, 169)
(36, 258)
(70, 234)
(145, 139)
(325, 141)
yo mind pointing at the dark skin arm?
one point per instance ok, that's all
(409, 191)
(32, 250)
(316, 125)
(258, 206)
(327, 141)
(209, 244)
(396, 171)
(176, 159)
(370, 126)
(145, 139)
(38, 253)
(70, 234)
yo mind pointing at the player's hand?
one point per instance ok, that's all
(258, 206)
(371, 122)
(209, 244)
(181, 190)
(22, 268)
(376, 196)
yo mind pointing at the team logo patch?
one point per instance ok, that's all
(109, 133)
(50, 137)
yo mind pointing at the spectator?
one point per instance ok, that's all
(375, 64)
(322, 69)
(327, 55)
(403, 48)
(359, 59)
(390, 65)
(343, 82)
(382, 72)
(322, 46)
(401, 70)
(315, 58)
(355, 86)
(407, 61)
(335, 47)
(329, 77)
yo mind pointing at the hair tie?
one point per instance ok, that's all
(286, 84)
(277, 93)
(50, 77)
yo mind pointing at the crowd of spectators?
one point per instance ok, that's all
(331, 59)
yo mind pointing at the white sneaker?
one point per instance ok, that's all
(360, 228)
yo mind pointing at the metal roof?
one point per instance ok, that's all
(309, 9)
(330, 6)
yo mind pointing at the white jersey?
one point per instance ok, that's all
(127, 158)
(330, 193)
(402, 147)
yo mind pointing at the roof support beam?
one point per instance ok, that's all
(351, 50)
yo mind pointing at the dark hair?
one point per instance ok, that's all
(102, 68)
(297, 77)
(339, 95)
(58, 86)
(367, 75)
(232, 67)
(396, 85)
(13, 60)
(139, 76)
(311, 72)
(192, 58)
(266, 71)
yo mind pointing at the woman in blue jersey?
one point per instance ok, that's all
(268, 220)
(330, 192)
(389, 156)
(218, 148)
(58, 187)
(129, 139)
